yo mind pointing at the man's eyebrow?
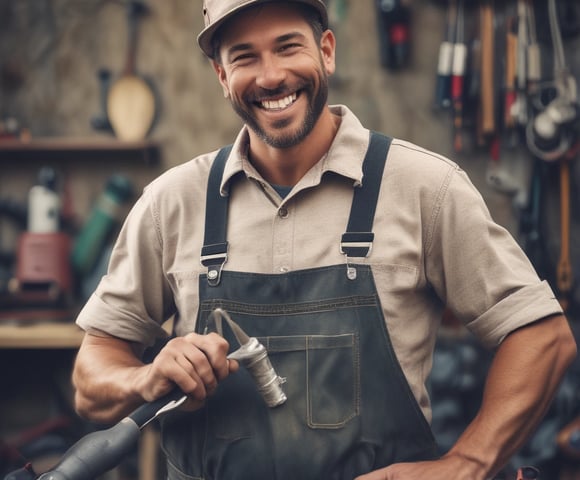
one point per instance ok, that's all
(240, 47)
(289, 36)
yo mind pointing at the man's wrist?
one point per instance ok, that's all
(469, 466)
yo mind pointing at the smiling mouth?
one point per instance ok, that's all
(280, 104)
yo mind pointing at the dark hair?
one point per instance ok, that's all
(309, 13)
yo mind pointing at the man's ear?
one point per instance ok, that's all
(328, 51)
(221, 74)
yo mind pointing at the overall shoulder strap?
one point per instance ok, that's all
(358, 238)
(214, 252)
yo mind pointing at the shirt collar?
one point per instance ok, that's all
(345, 156)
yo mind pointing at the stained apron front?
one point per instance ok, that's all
(349, 408)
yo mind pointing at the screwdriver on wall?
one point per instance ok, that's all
(487, 103)
(458, 76)
(520, 108)
(511, 60)
(445, 60)
(533, 54)
(564, 274)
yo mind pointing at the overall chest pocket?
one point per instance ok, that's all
(322, 376)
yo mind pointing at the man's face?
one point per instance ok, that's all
(275, 73)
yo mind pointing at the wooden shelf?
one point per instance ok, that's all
(40, 335)
(78, 150)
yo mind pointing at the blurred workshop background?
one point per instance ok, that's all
(98, 97)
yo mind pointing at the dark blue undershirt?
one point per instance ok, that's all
(282, 190)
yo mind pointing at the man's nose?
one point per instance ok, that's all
(272, 73)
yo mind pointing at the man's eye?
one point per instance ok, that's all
(289, 47)
(242, 58)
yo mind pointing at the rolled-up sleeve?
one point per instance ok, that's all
(134, 302)
(479, 269)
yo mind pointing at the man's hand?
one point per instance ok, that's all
(523, 378)
(195, 363)
(446, 468)
(111, 380)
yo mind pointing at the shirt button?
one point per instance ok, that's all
(283, 212)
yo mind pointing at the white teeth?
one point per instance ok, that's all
(279, 104)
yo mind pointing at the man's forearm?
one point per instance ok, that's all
(105, 378)
(111, 380)
(521, 383)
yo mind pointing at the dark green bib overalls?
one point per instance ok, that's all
(349, 409)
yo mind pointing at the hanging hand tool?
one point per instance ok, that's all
(458, 76)
(511, 61)
(531, 221)
(445, 60)
(508, 171)
(519, 109)
(394, 24)
(510, 175)
(101, 120)
(564, 276)
(564, 269)
(497, 174)
(533, 56)
(131, 102)
(487, 102)
(472, 92)
(548, 135)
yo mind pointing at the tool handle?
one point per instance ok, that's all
(510, 78)
(534, 67)
(458, 70)
(96, 453)
(487, 71)
(101, 451)
(443, 81)
(442, 91)
(149, 411)
(564, 268)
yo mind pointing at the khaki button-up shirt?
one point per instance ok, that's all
(435, 245)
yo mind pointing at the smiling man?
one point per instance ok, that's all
(274, 68)
(339, 249)
(275, 75)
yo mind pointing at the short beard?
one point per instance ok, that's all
(316, 104)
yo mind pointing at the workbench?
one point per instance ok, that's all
(41, 336)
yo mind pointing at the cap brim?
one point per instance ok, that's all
(204, 39)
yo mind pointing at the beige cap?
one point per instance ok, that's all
(216, 12)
